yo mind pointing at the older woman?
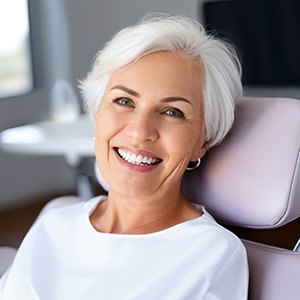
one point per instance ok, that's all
(160, 93)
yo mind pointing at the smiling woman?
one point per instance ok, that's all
(161, 93)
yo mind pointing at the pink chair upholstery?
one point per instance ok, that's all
(252, 180)
(274, 272)
(7, 255)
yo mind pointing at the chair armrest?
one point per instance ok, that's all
(274, 272)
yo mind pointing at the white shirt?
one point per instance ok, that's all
(64, 258)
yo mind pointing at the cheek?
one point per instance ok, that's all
(179, 141)
(104, 132)
(188, 141)
(107, 125)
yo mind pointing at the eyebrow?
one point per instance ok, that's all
(126, 90)
(136, 94)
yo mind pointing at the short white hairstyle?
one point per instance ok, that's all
(221, 86)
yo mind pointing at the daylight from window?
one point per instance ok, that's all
(15, 58)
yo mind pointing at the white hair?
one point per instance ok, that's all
(222, 86)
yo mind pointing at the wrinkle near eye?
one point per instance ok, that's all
(189, 131)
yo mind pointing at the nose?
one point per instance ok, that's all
(143, 128)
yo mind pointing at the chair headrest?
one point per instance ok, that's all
(252, 179)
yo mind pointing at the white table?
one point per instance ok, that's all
(72, 140)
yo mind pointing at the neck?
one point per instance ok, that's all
(125, 215)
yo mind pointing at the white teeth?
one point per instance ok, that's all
(132, 158)
(139, 159)
(127, 156)
(136, 159)
(121, 151)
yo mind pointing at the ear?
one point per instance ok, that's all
(200, 151)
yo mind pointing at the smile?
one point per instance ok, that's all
(139, 159)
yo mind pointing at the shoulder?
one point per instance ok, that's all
(57, 222)
(70, 206)
(59, 209)
(61, 216)
(220, 241)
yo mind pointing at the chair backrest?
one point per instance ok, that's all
(256, 169)
(252, 179)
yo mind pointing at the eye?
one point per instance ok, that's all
(173, 112)
(124, 102)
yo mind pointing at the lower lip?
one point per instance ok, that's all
(141, 168)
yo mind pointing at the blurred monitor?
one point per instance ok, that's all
(266, 34)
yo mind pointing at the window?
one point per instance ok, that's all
(15, 54)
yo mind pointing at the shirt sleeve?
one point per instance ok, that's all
(232, 279)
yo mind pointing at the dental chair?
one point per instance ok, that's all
(251, 184)
(7, 255)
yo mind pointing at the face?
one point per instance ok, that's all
(150, 124)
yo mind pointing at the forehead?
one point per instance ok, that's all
(172, 72)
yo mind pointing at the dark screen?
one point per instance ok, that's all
(266, 34)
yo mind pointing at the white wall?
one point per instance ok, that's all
(94, 22)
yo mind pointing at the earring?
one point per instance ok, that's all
(193, 167)
(94, 138)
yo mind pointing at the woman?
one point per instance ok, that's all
(160, 93)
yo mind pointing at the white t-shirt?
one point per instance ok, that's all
(64, 258)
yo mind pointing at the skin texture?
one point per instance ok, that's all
(152, 108)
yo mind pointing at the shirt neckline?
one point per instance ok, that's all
(91, 205)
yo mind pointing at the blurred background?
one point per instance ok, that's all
(46, 46)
